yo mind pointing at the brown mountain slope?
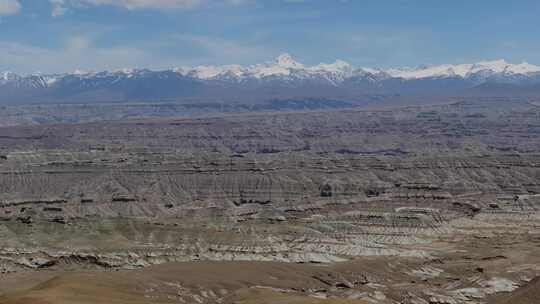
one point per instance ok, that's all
(203, 282)
(528, 294)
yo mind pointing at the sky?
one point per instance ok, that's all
(51, 36)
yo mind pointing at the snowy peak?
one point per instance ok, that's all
(465, 70)
(496, 66)
(283, 66)
(339, 66)
(501, 66)
(8, 76)
(211, 71)
(286, 61)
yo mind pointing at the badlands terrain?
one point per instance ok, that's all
(403, 204)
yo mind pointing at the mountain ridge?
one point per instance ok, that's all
(284, 64)
(282, 78)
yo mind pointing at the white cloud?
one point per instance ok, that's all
(145, 4)
(58, 8)
(81, 53)
(141, 4)
(77, 53)
(9, 7)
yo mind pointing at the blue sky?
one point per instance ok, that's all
(64, 35)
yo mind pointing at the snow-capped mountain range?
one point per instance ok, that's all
(283, 66)
(467, 70)
(283, 76)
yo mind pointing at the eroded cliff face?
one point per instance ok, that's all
(463, 127)
(433, 154)
(105, 184)
(449, 186)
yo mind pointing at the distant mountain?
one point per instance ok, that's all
(283, 78)
(480, 70)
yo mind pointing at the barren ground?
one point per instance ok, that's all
(419, 205)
